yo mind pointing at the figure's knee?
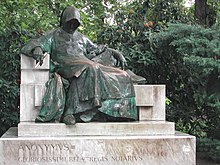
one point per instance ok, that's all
(93, 67)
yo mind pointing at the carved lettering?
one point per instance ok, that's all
(76, 159)
(126, 158)
(157, 153)
(46, 147)
(43, 159)
(57, 152)
(97, 159)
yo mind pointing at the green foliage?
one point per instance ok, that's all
(188, 63)
(38, 16)
(182, 56)
(28, 14)
(213, 12)
(9, 80)
(134, 28)
(199, 49)
(210, 148)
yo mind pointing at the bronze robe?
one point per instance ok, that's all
(93, 86)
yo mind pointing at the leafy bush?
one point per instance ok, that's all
(199, 49)
(10, 44)
(209, 148)
(187, 61)
(184, 57)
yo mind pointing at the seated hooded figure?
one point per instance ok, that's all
(86, 83)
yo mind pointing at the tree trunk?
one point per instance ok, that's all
(201, 11)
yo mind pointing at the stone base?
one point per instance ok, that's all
(97, 128)
(178, 149)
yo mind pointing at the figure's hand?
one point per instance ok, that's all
(102, 48)
(38, 55)
(121, 61)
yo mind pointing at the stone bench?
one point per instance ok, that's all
(149, 141)
(150, 100)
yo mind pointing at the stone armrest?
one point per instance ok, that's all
(32, 86)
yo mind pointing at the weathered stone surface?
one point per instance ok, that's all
(177, 149)
(157, 111)
(39, 91)
(32, 86)
(30, 63)
(28, 109)
(144, 95)
(34, 76)
(97, 128)
(159, 94)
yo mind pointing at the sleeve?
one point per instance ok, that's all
(44, 42)
(93, 49)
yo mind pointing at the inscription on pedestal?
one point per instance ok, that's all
(95, 151)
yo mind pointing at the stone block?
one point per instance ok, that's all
(159, 107)
(39, 91)
(30, 63)
(144, 95)
(28, 109)
(34, 76)
(178, 149)
(154, 110)
(97, 128)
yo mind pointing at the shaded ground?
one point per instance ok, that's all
(202, 161)
(205, 162)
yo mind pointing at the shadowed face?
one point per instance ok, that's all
(71, 26)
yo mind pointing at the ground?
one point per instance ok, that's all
(201, 161)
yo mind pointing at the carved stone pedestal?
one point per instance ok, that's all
(177, 149)
(149, 141)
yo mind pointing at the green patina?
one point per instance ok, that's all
(85, 78)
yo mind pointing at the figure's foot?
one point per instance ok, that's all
(69, 120)
(88, 115)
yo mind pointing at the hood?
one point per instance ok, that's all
(68, 14)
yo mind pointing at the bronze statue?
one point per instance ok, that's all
(86, 82)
